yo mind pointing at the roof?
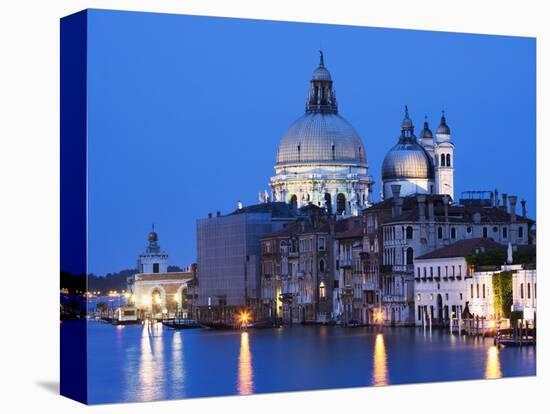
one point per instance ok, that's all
(183, 276)
(278, 209)
(462, 248)
(457, 213)
(354, 230)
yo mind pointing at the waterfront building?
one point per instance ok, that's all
(154, 290)
(321, 159)
(399, 229)
(228, 258)
(481, 289)
(349, 296)
(297, 268)
(440, 287)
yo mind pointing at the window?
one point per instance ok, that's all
(448, 160)
(453, 233)
(446, 296)
(477, 290)
(460, 294)
(409, 233)
(521, 290)
(528, 290)
(321, 265)
(340, 203)
(424, 271)
(419, 312)
(504, 232)
(468, 229)
(453, 271)
(440, 232)
(443, 160)
(483, 291)
(446, 271)
(418, 297)
(293, 198)
(156, 268)
(472, 291)
(431, 271)
(322, 243)
(438, 271)
(460, 270)
(322, 290)
(485, 232)
(418, 271)
(410, 254)
(520, 232)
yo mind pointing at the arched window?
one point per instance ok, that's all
(409, 233)
(294, 202)
(448, 160)
(410, 255)
(440, 232)
(322, 293)
(321, 265)
(443, 160)
(340, 203)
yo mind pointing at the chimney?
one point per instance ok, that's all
(513, 201)
(497, 201)
(421, 199)
(397, 200)
(431, 214)
(505, 201)
(523, 209)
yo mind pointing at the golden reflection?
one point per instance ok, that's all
(492, 369)
(380, 373)
(151, 360)
(246, 380)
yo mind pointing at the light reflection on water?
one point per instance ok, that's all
(380, 372)
(246, 377)
(147, 362)
(492, 369)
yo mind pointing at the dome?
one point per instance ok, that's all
(443, 128)
(321, 138)
(426, 133)
(321, 74)
(407, 160)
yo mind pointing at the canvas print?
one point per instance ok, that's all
(258, 206)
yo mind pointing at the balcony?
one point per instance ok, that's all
(369, 286)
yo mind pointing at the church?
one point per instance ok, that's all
(321, 159)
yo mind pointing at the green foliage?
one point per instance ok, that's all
(490, 260)
(502, 291)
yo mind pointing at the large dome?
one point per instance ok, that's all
(407, 160)
(321, 138)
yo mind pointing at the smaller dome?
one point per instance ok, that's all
(407, 160)
(321, 74)
(153, 236)
(426, 132)
(443, 128)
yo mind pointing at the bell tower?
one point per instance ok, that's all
(153, 260)
(444, 159)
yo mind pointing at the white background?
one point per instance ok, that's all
(29, 203)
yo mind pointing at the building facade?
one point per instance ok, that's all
(229, 258)
(154, 290)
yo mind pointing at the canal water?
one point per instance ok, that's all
(144, 363)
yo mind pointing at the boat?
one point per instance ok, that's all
(181, 323)
(217, 325)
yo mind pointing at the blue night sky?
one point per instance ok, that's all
(185, 114)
